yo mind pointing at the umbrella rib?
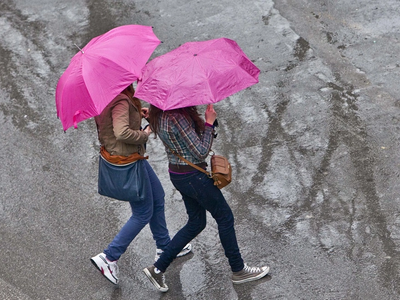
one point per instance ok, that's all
(207, 81)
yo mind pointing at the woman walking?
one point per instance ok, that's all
(123, 142)
(184, 132)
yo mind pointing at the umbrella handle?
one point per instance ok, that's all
(74, 119)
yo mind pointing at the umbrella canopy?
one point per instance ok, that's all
(101, 70)
(196, 73)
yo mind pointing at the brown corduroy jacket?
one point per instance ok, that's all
(119, 128)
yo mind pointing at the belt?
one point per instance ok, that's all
(186, 168)
(119, 159)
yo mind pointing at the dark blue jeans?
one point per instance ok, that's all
(200, 195)
(149, 211)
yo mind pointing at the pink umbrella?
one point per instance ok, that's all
(101, 70)
(196, 73)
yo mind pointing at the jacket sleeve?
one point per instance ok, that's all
(121, 125)
(199, 146)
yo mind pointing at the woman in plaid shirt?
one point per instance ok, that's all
(184, 132)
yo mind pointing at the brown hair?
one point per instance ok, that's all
(130, 91)
(190, 113)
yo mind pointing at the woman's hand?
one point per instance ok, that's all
(145, 112)
(147, 129)
(210, 114)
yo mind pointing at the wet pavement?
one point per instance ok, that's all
(314, 149)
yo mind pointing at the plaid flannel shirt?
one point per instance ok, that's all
(178, 133)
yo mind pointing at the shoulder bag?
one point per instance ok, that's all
(221, 170)
(125, 179)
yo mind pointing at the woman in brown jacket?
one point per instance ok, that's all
(123, 143)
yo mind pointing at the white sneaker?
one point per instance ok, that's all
(107, 268)
(184, 251)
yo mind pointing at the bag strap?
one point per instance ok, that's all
(188, 162)
(191, 164)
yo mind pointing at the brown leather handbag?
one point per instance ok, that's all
(221, 170)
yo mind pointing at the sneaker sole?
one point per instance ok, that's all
(259, 276)
(114, 281)
(185, 251)
(154, 282)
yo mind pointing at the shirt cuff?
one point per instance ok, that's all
(210, 125)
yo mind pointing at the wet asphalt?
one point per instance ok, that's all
(314, 149)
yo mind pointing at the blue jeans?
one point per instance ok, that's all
(150, 211)
(200, 195)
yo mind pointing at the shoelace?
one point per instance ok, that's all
(251, 269)
(162, 277)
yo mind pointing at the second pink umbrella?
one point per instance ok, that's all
(196, 73)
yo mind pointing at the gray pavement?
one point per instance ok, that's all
(314, 149)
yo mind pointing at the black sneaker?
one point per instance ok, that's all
(157, 278)
(249, 274)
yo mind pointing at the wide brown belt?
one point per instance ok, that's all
(119, 159)
(186, 168)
